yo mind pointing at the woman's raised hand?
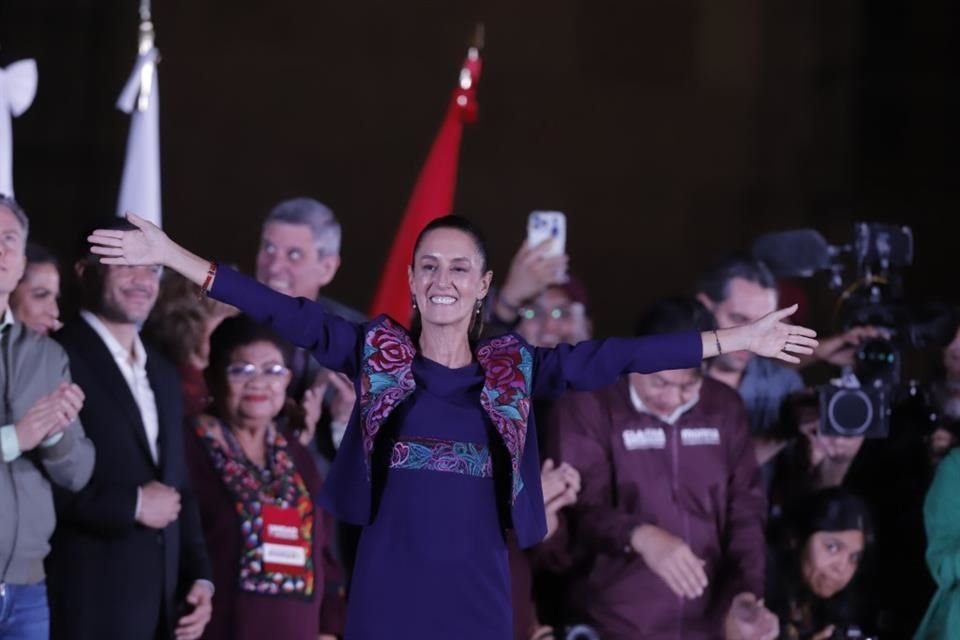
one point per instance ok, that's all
(772, 337)
(145, 245)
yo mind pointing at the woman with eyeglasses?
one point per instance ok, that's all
(256, 491)
(440, 457)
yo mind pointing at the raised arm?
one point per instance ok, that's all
(597, 363)
(333, 341)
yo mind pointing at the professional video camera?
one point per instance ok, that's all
(868, 274)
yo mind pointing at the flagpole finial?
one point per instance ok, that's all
(478, 37)
(471, 68)
(145, 43)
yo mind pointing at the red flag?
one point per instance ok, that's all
(432, 196)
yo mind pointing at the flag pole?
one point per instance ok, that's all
(144, 44)
(433, 193)
(140, 182)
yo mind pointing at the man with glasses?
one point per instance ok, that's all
(128, 558)
(669, 522)
(41, 444)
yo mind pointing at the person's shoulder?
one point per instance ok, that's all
(504, 341)
(37, 348)
(952, 461)
(339, 309)
(76, 331)
(718, 392)
(609, 399)
(770, 369)
(157, 359)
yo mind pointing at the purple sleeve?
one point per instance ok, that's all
(598, 363)
(333, 341)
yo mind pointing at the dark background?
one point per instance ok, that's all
(670, 132)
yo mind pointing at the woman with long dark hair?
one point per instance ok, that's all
(815, 564)
(440, 455)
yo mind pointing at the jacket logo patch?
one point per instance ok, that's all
(699, 437)
(644, 439)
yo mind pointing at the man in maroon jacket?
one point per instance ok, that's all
(669, 524)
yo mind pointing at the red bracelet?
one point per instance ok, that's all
(211, 273)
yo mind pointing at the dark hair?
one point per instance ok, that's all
(232, 334)
(674, 315)
(460, 224)
(7, 202)
(833, 509)
(828, 510)
(716, 284)
(38, 254)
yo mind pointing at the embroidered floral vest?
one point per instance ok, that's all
(386, 380)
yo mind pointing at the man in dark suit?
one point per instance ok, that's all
(128, 555)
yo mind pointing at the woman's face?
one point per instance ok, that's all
(830, 560)
(257, 382)
(34, 301)
(447, 278)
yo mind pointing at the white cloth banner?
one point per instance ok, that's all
(140, 185)
(18, 86)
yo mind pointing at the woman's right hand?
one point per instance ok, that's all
(145, 245)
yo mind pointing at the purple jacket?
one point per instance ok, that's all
(697, 479)
(378, 357)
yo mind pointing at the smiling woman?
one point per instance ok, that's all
(35, 301)
(440, 458)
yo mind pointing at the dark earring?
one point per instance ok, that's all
(479, 305)
(413, 303)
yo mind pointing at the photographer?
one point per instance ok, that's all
(813, 459)
(817, 565)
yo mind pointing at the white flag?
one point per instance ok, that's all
(18, 86)
(140, 185)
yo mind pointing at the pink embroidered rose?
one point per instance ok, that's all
(393, 351)
(503, 374)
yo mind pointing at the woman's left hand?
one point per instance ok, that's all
(770, 336)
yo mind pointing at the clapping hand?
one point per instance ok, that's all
(49, 416)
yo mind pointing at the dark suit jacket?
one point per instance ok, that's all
(109, 577)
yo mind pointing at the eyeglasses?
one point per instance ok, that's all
(242, 371)
(563, 312)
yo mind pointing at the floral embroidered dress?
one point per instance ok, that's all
(433, 560)
(437, 463)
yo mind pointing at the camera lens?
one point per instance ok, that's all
(850, 412)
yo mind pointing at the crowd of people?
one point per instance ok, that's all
(192, 453)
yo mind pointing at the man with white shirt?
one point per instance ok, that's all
(670, 516)
(129, 558)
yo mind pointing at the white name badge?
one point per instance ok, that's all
(288, 555)
(699, 437)
(634, 439)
